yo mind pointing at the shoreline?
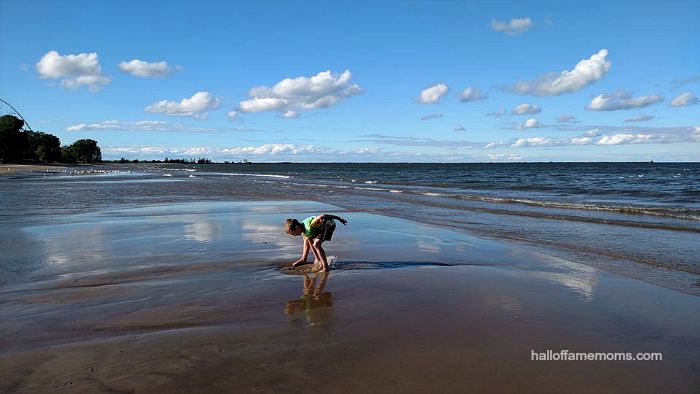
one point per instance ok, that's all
(12, 169)
(190, 298)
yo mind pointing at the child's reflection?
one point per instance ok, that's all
(314, 302)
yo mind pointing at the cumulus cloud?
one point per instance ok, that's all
(695, 135)
(196, 106)
(73, 71)
(290, 96)
(530, 124)
(640, 118)
(525, 109)
(621, 100)
(592, 133)
(459, 127)
(533, 141)
(495, 144)
(232, 114)
(515, 27)
(432, 116)
(433, 94)
(619, 139)
(684, 99)
(471, 94)
(566, 118)
(583, 74)
(143, 69)
(582, 140)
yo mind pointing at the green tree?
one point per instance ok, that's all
(86, 151)
(13, 142)
(44, 147)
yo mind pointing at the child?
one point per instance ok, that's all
(315, 229)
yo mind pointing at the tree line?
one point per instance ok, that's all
(23, 146)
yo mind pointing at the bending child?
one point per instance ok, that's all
(316, 230)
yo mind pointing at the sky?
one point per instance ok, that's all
(376, 81)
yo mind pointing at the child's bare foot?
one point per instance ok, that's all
(298, 263)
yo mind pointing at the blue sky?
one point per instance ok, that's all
(360, 81)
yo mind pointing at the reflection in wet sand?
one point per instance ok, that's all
(314, 302)
(203, 231)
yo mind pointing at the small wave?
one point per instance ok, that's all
(167, 174)
(376, 189)
(256, 175)
(371, 182)
(395, 191)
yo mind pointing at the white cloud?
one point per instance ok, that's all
(566, 118)
(290, 96)
(530, 124)
(640, 118)
(73, 70)
(514, 27)
(432, 116)
(196, 106)
(581, 140)
(142, 69)
(593, 133)
(501, 113)
(510, 157)
(495, 144)
(433, 94)
(459, 127)
(695, 135)
(232, 114)
(272, 151)
(584, 73)
(684, 99)
(618, 139)
(533, 141)
(621, 100)
(471, 94)
(524, 109)
(153, 125)
(290, 114)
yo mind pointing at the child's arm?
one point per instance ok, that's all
(304, 252)
(331, 217)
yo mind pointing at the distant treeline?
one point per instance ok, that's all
(201, 160)
(23, 146)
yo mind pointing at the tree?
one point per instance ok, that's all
(44, 147)
(13, 142)
(86, 150)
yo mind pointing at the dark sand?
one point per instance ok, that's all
(192, 298)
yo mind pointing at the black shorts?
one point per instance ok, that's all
(326, 231)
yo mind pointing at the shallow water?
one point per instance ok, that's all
(637, 219)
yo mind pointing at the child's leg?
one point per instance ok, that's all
(322, 253)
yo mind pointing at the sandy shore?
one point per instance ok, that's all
(191, 298)
(11, 169)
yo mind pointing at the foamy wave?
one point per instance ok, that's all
(257, 175)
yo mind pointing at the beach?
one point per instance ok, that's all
(154, 293)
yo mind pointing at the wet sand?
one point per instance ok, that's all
(11, 169)
(193, 298)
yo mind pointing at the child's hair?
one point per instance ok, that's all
(290, 225)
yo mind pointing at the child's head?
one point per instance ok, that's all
(293, 227)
